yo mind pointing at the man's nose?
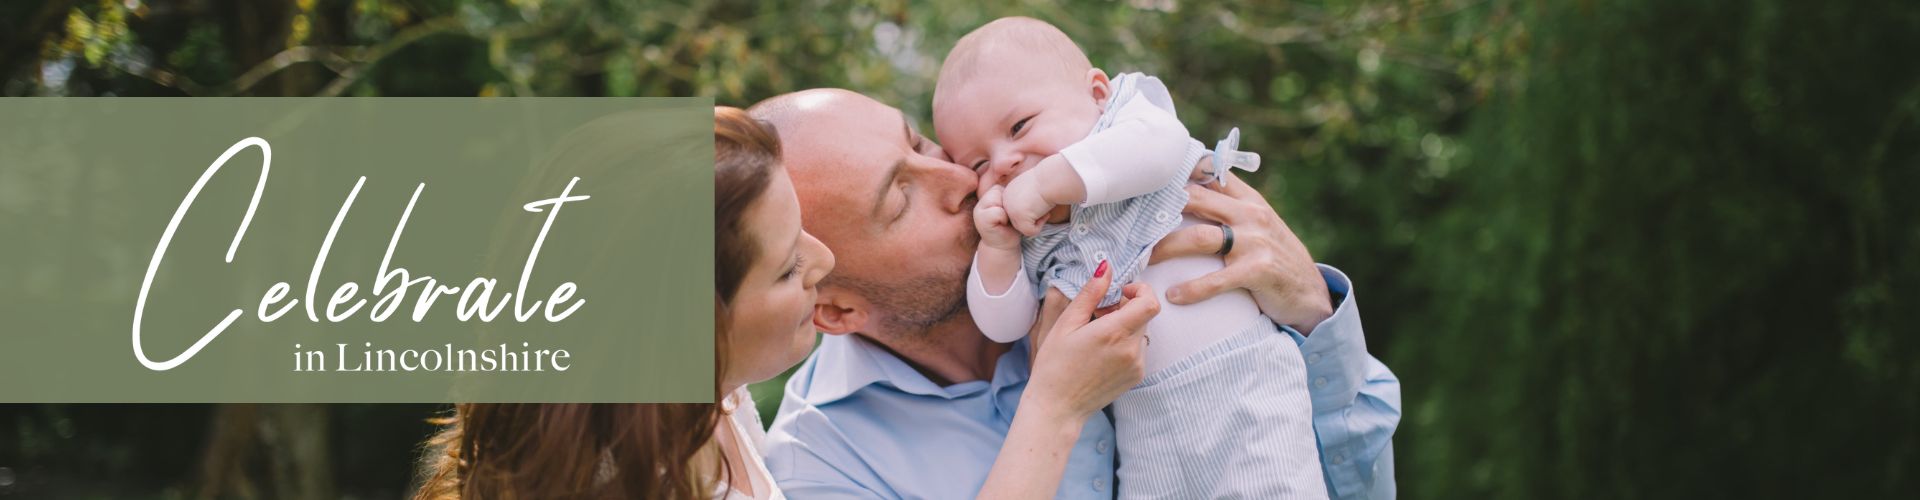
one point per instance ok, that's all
(950, 183)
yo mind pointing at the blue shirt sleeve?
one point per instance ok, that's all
(1356, 399)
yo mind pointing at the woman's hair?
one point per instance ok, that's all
(617, 450)
(745, 153)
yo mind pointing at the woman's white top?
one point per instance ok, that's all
(751, 438)
(740, 412)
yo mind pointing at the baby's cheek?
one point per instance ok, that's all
(1072, 130)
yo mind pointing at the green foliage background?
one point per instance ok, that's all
(1638, 248)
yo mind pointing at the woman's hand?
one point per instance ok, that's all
(1266, 259)
(1082, 364)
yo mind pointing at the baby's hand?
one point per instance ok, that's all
(990, 219)
(1026, 208)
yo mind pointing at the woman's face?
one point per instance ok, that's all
(771, 316)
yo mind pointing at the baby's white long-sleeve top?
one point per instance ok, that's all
(1006, 316)
(1144, 147)
(1139, 153)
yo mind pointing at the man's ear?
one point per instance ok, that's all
(1101, 88)
(838, 312)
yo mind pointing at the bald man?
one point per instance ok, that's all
(906, 399)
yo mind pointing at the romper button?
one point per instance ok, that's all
(1320, 382)
(1313, 358)
(1100, 447)
(1099, 485)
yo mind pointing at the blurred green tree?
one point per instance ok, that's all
(1678, 265)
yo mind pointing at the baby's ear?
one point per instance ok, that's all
(839, 312)
(1102, 90)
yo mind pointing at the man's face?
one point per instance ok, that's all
(887, 201)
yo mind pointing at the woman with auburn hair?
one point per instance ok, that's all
(766, 268)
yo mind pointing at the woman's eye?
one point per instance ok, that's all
(798, 262)
(1018, 126)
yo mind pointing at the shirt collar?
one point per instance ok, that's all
(845, 364)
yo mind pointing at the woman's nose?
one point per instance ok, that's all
(824, 258)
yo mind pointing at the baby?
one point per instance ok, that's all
(1092, 171)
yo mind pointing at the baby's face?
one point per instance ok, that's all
(1010, 115)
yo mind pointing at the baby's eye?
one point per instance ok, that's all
(1017, 126)
(979, 165)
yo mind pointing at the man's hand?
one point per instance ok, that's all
(1267, 259)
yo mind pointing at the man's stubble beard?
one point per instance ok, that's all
(909, 308)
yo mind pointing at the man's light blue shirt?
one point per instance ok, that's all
(858, 422)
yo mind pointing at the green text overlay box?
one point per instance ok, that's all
(336, 289)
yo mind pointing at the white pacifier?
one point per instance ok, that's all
(1227, 154)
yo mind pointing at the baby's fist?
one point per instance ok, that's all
(1027, 209)
(990, 219)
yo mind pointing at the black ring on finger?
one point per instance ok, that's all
(1226, 240)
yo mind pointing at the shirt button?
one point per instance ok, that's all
(1081, 228)
(1320, 382)
(1098, 257)
(1099, 485)
(1100, 447)
(1162, 217)
(1313, 358)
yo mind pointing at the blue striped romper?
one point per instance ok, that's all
(1233, 420)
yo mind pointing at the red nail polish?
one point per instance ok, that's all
(1100, 271)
